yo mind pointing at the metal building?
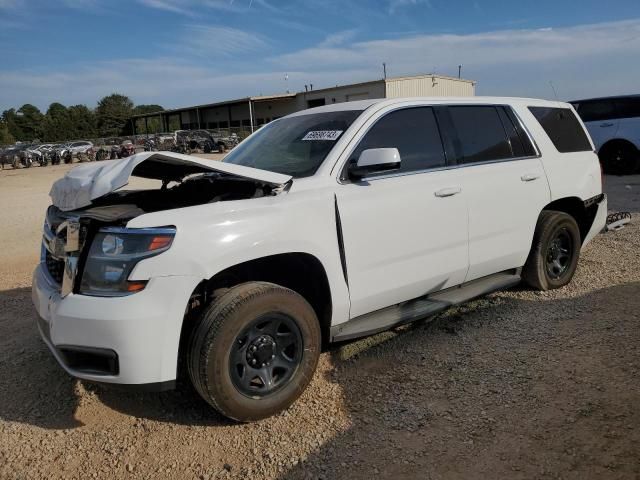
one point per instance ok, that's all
(244, 115)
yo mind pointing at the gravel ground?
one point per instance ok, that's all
(516, 385)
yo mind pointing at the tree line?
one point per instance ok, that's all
(110, 118)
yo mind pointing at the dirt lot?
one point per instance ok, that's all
(515, 385)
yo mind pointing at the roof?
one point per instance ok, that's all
(364, 104)
(613, 97)
(258, 98)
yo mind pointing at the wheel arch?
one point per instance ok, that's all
(575, 207)
(613, 141)
(301, 272)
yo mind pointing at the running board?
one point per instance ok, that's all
(422, 307)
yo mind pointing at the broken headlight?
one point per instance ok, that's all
(113, 254)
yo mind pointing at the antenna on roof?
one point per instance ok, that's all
(555, 94)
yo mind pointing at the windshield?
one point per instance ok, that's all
(294, 146)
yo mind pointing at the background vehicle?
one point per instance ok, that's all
(127, 148)
(614, 126)
(326, 225)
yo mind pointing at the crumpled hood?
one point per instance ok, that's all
(85, 183)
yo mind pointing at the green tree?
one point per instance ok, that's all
(83, 122)
(113, 114)
(10, 118)
(57, 123)
(30, 121)
(5, 137)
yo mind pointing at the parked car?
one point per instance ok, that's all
(127, 148)
(614, 126)
(188, 141)
(326, 225)
(9, 156)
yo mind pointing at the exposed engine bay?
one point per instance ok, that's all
(195, 190)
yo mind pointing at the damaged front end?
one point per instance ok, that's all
(86, 246)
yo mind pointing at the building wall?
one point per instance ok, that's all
(429, 86)
(340, 94)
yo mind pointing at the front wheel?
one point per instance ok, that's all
(254, 351)
(555, 251)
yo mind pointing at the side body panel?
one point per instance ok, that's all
(213, 237)
(569, 174)
(601, 131)
(401, 241)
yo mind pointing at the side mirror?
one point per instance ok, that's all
(375, 160)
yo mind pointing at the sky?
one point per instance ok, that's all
(184, 52)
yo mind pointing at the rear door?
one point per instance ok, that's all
(405, 232)
(628, 109)
(504, 184)
(600, 118)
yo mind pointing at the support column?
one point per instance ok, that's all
(251, 115)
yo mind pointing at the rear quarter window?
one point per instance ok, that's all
(563, 128)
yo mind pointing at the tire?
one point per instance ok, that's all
(15, 162)
(221, 350)
(620, 158)
(222, 148)
(555, 251)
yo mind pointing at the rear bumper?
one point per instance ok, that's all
(599, 221)
(132, 341)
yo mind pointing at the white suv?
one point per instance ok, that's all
(614, 126)
(326, 225)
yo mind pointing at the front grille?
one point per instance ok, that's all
(55, 267)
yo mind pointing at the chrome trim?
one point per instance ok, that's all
(69, 277)
(437, 169)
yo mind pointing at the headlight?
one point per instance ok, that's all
(113, 254)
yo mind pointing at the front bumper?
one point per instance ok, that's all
(131, 340)
(599, 221)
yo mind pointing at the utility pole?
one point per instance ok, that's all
(384, 70)
(459, 71)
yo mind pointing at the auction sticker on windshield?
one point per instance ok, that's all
(330, 135)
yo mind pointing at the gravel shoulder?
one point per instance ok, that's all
(515, 385)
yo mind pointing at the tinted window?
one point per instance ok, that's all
(481, 134)
(595, 110)
(628, 107)
(521, 146)
(414, 132)
(295, 146)
(563, 129)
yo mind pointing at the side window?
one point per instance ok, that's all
(414, 132)
(521, 146)
(628, 107)
(563, 129)
(596, 110)
(480, 132)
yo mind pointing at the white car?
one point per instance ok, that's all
(614, 126)
(326, 225)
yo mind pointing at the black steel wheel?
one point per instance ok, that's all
(266, 355)
(254, 350)
(554, 253)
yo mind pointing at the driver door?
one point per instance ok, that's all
(405, 232)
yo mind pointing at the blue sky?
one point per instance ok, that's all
(181, 52)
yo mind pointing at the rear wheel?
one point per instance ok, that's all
(254, 351)
(620, 158)
(555, 251)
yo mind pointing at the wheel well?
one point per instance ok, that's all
(573, 206)
(615, 141)
(300, 272)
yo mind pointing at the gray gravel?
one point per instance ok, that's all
(515, 385)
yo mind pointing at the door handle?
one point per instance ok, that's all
(529, 177)
(606, 124)
(448, 192)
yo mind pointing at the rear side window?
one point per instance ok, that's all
(481, 134)
(563, 129)
(628, 107)
(521, 146)
(596, 110)
(414, 132)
